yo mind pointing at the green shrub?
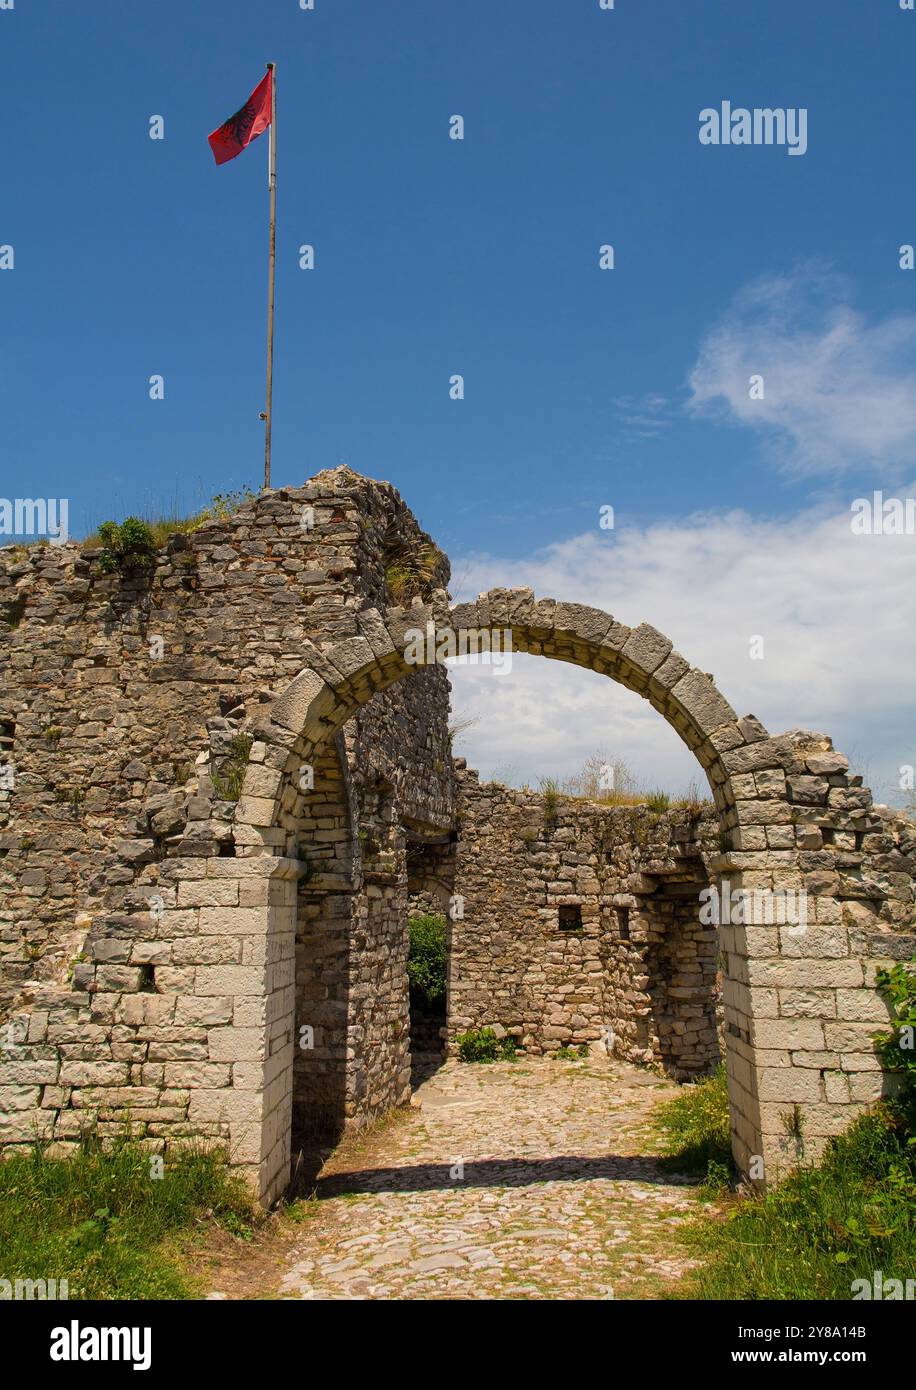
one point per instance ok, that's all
(695, 1127)
(100, 1220)
(161, 525)
(482, 1045)
(427, 961)
(129, 546)
(658, 801)
(569, 1053)
(897, 1049)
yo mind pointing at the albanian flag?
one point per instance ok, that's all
(246, 125)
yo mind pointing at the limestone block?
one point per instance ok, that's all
(805, 973)
(789, 1033)
(305, 701)
(236, 1044)
(93, 1073)
(234, 921)
(228, 979)
(670, 671)
(647, 648)
(789, 1084)
(351, 656)
(207, 892)
(861, 1005)
(826, 764)
(807, 1003)
(696, 694)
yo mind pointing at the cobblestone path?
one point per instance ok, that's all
(528, 1180)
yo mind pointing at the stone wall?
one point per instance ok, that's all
(146, 957)
(639, 973)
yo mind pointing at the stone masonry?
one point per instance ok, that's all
(222, 771)
(633, 969)
(146, 957)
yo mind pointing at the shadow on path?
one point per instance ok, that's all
(502, 1172)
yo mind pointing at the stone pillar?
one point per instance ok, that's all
(246, 908)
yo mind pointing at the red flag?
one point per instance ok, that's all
(246, 125)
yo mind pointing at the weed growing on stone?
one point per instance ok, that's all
(551, 793)
(896, 1048)
(228, 782)
(411, 569)
(301, 1211)
(159, 527)
(130, 546)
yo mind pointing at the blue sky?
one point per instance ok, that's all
(477, 257)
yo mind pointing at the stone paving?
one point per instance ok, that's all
(533, 1179)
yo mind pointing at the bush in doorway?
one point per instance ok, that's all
(427, 962)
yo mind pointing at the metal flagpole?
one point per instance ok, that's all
(271, 268)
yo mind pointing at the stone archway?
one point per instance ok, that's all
(782, 989)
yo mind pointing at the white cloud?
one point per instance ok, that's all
(644, 417)
(839, 391)
(837, 613)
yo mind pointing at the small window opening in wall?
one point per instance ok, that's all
(570, 917)
(147, 979)
(623, 922)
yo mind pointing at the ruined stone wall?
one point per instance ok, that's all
(802, 1007)
(641, 964)
(114, 695)
(129, 712)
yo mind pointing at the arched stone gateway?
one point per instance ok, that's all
(207, 862)
(802, 851)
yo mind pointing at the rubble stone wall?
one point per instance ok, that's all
(638, 976)
(147, 957)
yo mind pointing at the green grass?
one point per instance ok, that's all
(816, 1230)
(822, 1227)
(695, 1129)
(100, 1221)
(410, 569)
(168, 522)
(160, 527)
